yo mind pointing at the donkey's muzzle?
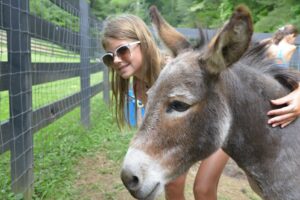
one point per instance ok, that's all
(131, 181)
(136, 186)
(141, 175)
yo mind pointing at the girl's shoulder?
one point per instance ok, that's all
(272, 50)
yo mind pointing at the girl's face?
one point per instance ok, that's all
(126, 67)
(290, 38)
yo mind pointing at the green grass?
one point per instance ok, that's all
(251, 195)
(4, 106)
(43, 94)
(58, 147)
(3, 57)
(41, 57)
(47, 93)
(41, 51)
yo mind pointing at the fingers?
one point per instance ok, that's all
(287, 123)
(282, 111)
(288, 98)
(282, 120)
(289, 112)
(284, 123)
(282, 100)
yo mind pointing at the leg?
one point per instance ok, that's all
(208, 175)
(175, 189)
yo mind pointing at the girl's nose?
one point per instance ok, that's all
(117, 59)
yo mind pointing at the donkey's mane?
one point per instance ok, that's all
(203, 39)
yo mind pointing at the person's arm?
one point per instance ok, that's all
(285, 115)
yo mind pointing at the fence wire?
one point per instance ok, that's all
(46, 71)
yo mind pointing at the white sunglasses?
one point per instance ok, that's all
(123, 52)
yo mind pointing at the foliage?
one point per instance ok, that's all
(137, 7)
(50, 12)
(264, 12)
(275, 16)
(268, 15)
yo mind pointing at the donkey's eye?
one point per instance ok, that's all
(177, 106)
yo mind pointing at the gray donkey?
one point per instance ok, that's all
(210, 98)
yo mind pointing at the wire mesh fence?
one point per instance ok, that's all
(46, 71)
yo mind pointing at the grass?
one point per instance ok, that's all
(41, 51)
(47, 93)
(58, 147)
(43, 94)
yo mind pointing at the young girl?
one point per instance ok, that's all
(282, 45)
(131, 52)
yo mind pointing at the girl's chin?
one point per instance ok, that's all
(126, 75)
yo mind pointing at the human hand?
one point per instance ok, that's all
(285, 115)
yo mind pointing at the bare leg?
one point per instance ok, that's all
(208, 175)
(175, 189)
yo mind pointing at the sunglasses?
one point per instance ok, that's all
(123, 52)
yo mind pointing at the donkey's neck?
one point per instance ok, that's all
(251, 142)
(248, 93)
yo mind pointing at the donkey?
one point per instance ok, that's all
(210, 98)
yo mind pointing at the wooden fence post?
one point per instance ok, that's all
(20, 96)
(84, 62)
(106, 86)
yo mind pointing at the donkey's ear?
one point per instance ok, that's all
(174, 40)
(231, 42)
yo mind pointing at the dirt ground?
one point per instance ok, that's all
(98, 179)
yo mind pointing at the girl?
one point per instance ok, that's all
(282, 45)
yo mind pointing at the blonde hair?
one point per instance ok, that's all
(131, 27)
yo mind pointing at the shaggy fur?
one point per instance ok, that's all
(217, 97)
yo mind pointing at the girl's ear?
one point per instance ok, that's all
(173, 39)
(231, 42)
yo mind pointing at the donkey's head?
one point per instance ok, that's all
(186, 117)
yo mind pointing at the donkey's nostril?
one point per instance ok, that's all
(130, 180)
(135, 180)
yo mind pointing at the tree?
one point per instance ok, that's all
(267, 15)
